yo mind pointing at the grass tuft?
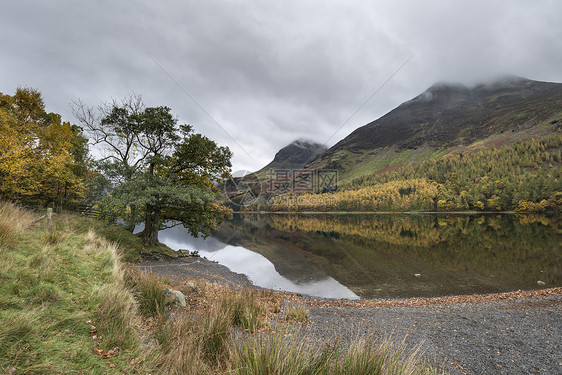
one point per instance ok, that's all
(148, 289)
(271, 354)
(293, 354)
(246, 310)
(17, 330)
(53, 237)
(214, 334)
(297, 314)
(179, 349)
(116, 318)
(45, 293)
(194, 344)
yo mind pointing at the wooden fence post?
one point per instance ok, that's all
(49, 218)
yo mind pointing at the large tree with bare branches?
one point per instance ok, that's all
(158, 169)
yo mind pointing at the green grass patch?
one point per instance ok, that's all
(368, 164)
(130, 245)
(49, 290)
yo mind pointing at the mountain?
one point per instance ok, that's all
(446, 118)
(495, 146)
(244, 190)
(294, 156)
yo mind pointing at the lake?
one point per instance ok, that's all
(364, 256)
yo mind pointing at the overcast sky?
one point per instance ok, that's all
(270, 72)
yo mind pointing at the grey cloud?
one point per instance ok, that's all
(271, 72)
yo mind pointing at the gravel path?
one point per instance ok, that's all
(509, 333)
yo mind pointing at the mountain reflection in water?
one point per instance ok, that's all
(385, 256)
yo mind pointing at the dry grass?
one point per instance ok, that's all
(206, 340)
(117, 318)
(194, 343)
(53, 237)
(13, 220)
(297, 354)
(202, 340)
(246, 310)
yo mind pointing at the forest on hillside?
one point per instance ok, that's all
(523, 176)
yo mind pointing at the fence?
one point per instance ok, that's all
(48, 216)
(89, 210)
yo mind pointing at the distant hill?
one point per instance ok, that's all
(243, 190)
(294, 156)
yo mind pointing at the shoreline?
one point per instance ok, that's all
(194, 267)
(437, 301)
(393, 212)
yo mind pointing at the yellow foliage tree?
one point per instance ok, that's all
(39, 154)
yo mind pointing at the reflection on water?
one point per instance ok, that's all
(257, 267)
(374, 256)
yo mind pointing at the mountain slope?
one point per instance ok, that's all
(246, 189)
(447, 118)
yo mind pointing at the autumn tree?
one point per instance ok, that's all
(159, 168)
(42, 158)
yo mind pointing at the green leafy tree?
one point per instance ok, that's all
(163, 172)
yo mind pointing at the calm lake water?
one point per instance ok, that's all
(385, 256)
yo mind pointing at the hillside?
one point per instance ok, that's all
(448, 118)
(296, 155)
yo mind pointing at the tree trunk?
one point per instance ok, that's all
(132, 219)
(152, 221)
(151, 225)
